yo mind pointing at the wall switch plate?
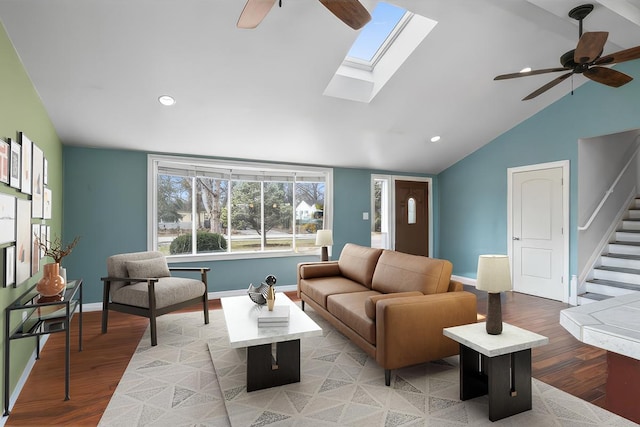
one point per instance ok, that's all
(365, 216)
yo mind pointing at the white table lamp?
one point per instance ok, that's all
(494, 276)
(324, 238)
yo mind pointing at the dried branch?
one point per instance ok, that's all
(55, 249)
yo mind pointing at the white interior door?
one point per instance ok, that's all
(537, 233)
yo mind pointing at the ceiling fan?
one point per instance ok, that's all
(351, 12)
(585, 59)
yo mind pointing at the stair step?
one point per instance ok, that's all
(610, 287)
(618, 274)
(628, 236)
(590, 297)
(628, 248)
(620, 260)
(631, 224)
(634, 213)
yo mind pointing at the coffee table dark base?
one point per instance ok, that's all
(506, 379)
(264, 370)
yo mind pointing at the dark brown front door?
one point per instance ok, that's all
(412, 217)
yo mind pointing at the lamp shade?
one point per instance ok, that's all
(324, 238)
(494, 274)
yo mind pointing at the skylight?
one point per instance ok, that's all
(378, 52)
(384, 19)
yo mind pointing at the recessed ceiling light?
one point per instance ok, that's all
(525, 70)
(166, 100)
(435, 139)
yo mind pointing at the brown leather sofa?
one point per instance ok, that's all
(391, 304)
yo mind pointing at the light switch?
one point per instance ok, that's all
(365, 216)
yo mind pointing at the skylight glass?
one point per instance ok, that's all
(384, 18)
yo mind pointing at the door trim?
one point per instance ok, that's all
(564, 165)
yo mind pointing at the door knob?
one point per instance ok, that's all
(516, 238)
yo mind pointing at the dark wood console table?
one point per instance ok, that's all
(28, 317)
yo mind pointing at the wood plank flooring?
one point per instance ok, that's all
(564, 363)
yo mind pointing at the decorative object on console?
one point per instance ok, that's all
(494, 276)
(324, 238)
(52, 283)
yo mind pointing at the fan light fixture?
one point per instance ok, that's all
(435, 138)
(166, 100)
(525, 70)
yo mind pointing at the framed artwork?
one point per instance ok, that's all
(23, 241)
(7, 218)
(46, 203)
(15, 164)
(45, 176)
(4, 161)
(44, 238)
(9, 266)
(35, 249)
(37, 184)
(27, 149)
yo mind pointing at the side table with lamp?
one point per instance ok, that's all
(495, 359)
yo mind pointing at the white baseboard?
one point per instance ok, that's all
(464, 280)
(23, 378)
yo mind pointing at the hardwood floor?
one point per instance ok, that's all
(564, 363)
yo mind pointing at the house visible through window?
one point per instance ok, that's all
(219, 208)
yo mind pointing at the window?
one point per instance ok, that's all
(213, 208)
(380, 237)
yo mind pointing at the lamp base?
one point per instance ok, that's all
(325, 253)
(494, 314)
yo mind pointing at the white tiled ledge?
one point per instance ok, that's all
(612, 324)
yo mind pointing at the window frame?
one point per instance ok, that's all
(153, 162)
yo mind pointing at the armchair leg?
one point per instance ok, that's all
(105, 318)
(387, 377)
(302, 305)
(105, 305)
(154, 332)
(205, 307)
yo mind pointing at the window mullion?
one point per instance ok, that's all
(194, 213)
(264, 238)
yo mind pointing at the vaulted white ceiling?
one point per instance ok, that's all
(100, 65)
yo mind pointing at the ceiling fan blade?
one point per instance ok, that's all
(529, 73)
(590, 47)
(607, 76)
(254, 12)
(351, 12)
(546, 87)
(621, 56)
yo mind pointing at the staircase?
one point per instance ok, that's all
(618, 271)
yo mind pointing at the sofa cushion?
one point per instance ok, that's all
(400, 272)
(349, 308)
(370, 303)
(358, 263)
(320, 288)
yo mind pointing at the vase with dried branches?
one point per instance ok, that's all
(52, 283)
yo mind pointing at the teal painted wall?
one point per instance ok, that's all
(473, 192)
(106, 203)
(21, 110)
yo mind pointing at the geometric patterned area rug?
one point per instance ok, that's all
(341, 386)
(175, 384)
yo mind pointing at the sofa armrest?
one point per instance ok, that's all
(455, 286)
(409, 330)
(311, 270)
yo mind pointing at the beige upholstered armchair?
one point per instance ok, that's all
(140, 283)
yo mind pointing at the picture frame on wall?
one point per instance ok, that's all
(25, 172)
(23, 241)
(35, 249)
(7, 218)
(47, 201)
(9, 266)
(44, 238)
(15, 164)
(37, 181)
(5, 152)
(45, 176)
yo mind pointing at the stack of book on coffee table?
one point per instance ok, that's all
(278, 317)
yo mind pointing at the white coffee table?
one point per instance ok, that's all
(273, 354)
(497, 365)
